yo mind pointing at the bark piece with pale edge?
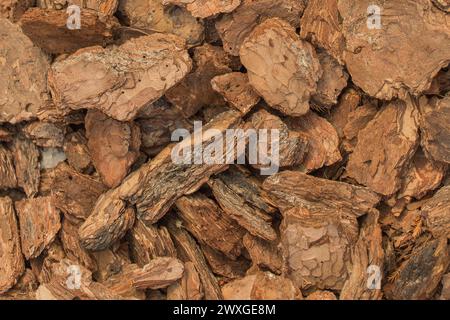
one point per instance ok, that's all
(113, 146)
(322, 139)
(236, 90)
(189, 251)
(321, 295)
(291, 145)
(281, 67)
(23, 70)
(436, 213)
(206, 8)
(367, 263)
(195, 91)
(155, 186)
(435, 128)
(7, 171)
(385, 147)
(419, 276)
(12, 263)
(233, 28)
(358, 119)
(239, 196)
(75, 194)
(26, 161)
(120, 80)
(106, 7)
(290, 189)
(152, 16)
(263, 253)
(39, 222)
(423, 175)
(261, 286)
(48, 30)
(203, 218)
(149, 242)
(189, 287)
(369, 56)
(321, 25)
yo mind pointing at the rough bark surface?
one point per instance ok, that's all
(281, 67)
(121, 80)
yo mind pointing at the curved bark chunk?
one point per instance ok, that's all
(206, 8)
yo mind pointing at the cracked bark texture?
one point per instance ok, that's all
(233, 28)
(23, 67)
(206, 8)
(120, 80)
(12, 265)
(281, 67)
(385, 147)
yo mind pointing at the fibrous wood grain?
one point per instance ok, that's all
(189, 287)
(7, 171)
(384, 148)
(12, 264)
(203, 218)
(121, 80)
(436, 213)
(264, 254)
(26, 162)
(39, 222)
(281, 67)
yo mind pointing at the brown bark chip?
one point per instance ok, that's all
(120, 81)
(39, 223)
(206, 8)
(436, 213)
(23, 70)
(12, 265)
(7, 171)
(26, 160)
(281, 67)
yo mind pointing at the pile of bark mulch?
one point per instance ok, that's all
(93, 207)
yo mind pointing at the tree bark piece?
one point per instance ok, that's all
(321, 25)
(385, 147)
(113, 145)
(292, 146)
(261, 286)
(189, 287)
(223, 266)
(77, 152)
(26, 161)
(45, 134)
(139, 188)
(39, 223)
(149, 242)
(263, 253)
(48, 30)
(119, 81)
(436, 213)
(189, 251)
(322, 138)
(13, 9)
(205, 8)
(203, 218)
(367, 253)
(411, 41)
(235, 27)
(8, 177)
(152, 16)
(23, 88)
(12, 265)
(420, 275)
(236, 90)
(250, 211)
(434, 127)
(281, 67)
(75, 194)
(195, 91)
